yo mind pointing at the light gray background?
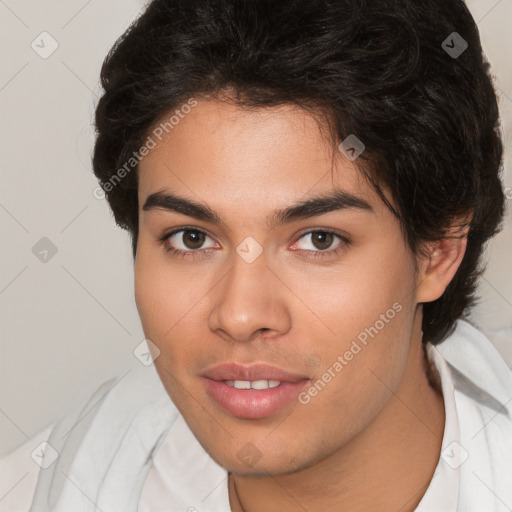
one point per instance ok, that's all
(72, 320)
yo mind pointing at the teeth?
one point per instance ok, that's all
(242, 384)
(255, 384)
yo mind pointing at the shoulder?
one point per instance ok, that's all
(476, 363)
(482, 382)
(85, 437)
(19, 471)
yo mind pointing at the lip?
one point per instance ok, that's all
(255, 371)
(252, 403)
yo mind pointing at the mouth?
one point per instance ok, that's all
(252, 392)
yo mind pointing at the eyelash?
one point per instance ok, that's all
(201, 252)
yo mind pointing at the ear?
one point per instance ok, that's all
(441, 260)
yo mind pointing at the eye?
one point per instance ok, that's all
(321, 242)
(188, 242)
(185, 241)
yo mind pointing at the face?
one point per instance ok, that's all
(323, 295)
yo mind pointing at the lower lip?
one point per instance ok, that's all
(252, 403)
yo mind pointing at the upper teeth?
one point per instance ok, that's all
(253, 384)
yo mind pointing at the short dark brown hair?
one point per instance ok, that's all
(386, 72)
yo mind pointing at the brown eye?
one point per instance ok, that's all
(184, 240)
(320, 243)
(322, 240)
(193, 239)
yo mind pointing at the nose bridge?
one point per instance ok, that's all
(249, 299)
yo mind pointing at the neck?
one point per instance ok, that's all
(388, 466)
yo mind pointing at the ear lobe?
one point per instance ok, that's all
(440, 265)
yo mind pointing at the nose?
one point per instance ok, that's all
(249, 300)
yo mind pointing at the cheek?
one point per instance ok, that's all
(342, 301)
(170, 300)
(361, 322)
(162, 298)
(361, 366)
(163, 292)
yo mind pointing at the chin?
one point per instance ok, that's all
(262, 465)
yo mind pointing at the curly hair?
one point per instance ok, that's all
(380, 70)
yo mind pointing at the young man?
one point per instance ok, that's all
(308, 187)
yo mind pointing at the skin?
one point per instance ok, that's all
(371, 438)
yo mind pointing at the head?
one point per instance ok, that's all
(223, 147)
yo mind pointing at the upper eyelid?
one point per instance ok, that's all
(179, 230)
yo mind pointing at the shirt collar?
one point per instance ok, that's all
(442, 493)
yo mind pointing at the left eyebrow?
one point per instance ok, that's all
(335, 200)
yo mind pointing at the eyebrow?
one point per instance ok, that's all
(335, 200)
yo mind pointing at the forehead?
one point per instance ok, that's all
(239, 159)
